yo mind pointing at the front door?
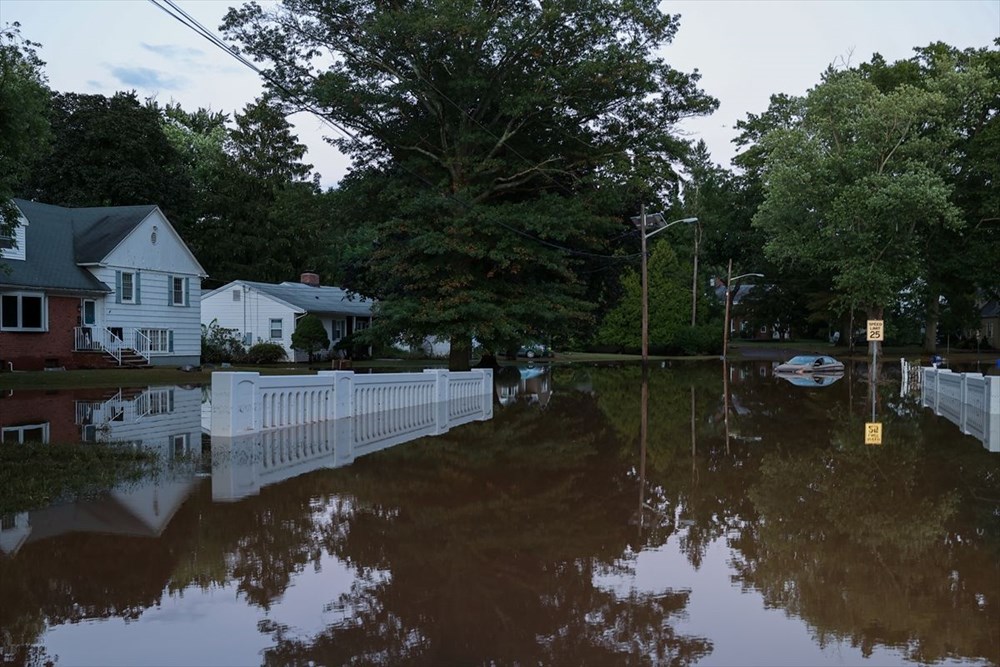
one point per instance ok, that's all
(89, 312)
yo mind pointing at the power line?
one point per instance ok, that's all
(174, 11)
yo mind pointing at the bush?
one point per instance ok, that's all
(219, 344)
(265, 353)
(310, 336)
(701, 339)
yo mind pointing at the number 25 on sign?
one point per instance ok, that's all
(875, 329)
(873, 433)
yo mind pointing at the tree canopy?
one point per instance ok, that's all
(484, 139)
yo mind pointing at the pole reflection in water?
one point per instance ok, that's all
(511, 541)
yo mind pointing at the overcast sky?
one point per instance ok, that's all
(745, 50)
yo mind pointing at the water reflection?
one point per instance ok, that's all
(688, 517)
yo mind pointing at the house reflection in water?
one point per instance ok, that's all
(529, 384)
(165, 419)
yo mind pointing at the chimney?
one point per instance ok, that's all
(309, 278)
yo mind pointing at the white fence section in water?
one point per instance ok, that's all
(969, 400)
(251, 402)
(243, 464)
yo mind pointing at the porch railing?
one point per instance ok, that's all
(102, 339)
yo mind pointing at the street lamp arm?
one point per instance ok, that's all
(746, 275)
(671, 224)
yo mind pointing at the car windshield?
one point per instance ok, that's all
(803, 359)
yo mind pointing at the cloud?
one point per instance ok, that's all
(143, 77)
(172, 52)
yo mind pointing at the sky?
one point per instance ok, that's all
(746, 50)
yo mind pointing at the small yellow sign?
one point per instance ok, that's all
(873, 433)
(876, 330)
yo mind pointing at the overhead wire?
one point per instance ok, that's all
(180, 15)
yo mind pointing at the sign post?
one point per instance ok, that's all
(876, 334)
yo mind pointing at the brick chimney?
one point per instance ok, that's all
(309, 278)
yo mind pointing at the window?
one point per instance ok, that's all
(276, 328)
(25, 433)
(159, 339)
(157, 402)
(23, 312)
(7, 242)
(179, 445)
(339, 329)
(178, 293)
(237, 294)
(128, 287)
(361, 325)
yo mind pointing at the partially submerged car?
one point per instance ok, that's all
(809, 363)
(811, 379)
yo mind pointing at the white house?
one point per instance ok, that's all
(92, 286)
(266, 312)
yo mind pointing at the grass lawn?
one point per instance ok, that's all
(739, 349)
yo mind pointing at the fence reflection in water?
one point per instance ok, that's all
(242, 465)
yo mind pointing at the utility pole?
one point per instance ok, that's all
(645, 288)
(694, 276)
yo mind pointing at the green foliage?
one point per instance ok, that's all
(24, 125)
(265, 353)
(219, 344)
(669, 304)
(486, 139)
(34, 475)
(310, 336)
(110, 151)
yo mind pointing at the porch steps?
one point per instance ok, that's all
(132, 359)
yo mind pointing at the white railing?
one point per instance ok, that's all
(242, 464)
(969, 400)
(102, 339)
(250, 402)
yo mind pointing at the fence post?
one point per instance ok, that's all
(993, 413)
(487, 393)
(235, 409)
(442, 399)
(343, 415)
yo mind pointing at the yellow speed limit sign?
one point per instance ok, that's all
(873, 433)
(876, 330)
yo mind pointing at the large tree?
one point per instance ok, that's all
(261, 215)
(856, 184)
(24, 125)
(110, 151)
(486, 138)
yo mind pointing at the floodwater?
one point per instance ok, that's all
(744, 521)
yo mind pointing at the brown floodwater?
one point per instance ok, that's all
(743, 521)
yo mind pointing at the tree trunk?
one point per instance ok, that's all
(461, 350)
(488, 360)
(931, 323)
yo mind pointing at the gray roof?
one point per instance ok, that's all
(58, 239)
(991, 309)
(318, 300)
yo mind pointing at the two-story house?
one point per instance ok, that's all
(88, 287)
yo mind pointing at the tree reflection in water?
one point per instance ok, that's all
(489, 544)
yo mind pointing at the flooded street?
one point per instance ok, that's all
(743, 521)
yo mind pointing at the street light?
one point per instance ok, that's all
(641, 221)
(729, 297)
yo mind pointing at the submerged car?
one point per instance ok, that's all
(810, 363)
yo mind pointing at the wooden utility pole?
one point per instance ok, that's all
(645, 288)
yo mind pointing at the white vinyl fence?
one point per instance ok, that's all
(969, 400)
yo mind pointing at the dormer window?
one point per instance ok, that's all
(12, 242)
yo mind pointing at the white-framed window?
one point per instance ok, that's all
(763, 329)
(7, 242)
(178, 291)
(128, 287)
(23, 311)
(237, 294)
(25, 433)
(159, 339)
(179, 445)
(158, 402)
(338, 329)
(361, 325)
(276, 331)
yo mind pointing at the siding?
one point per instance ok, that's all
(251, 314)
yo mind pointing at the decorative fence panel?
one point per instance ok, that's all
(969, 400)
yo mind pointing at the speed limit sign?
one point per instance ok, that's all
(876, 329)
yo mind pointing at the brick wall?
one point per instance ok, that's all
(56, 408)
(29, 351)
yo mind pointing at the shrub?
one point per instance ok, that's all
(310, 336)
(219, 344)
(265, 353)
